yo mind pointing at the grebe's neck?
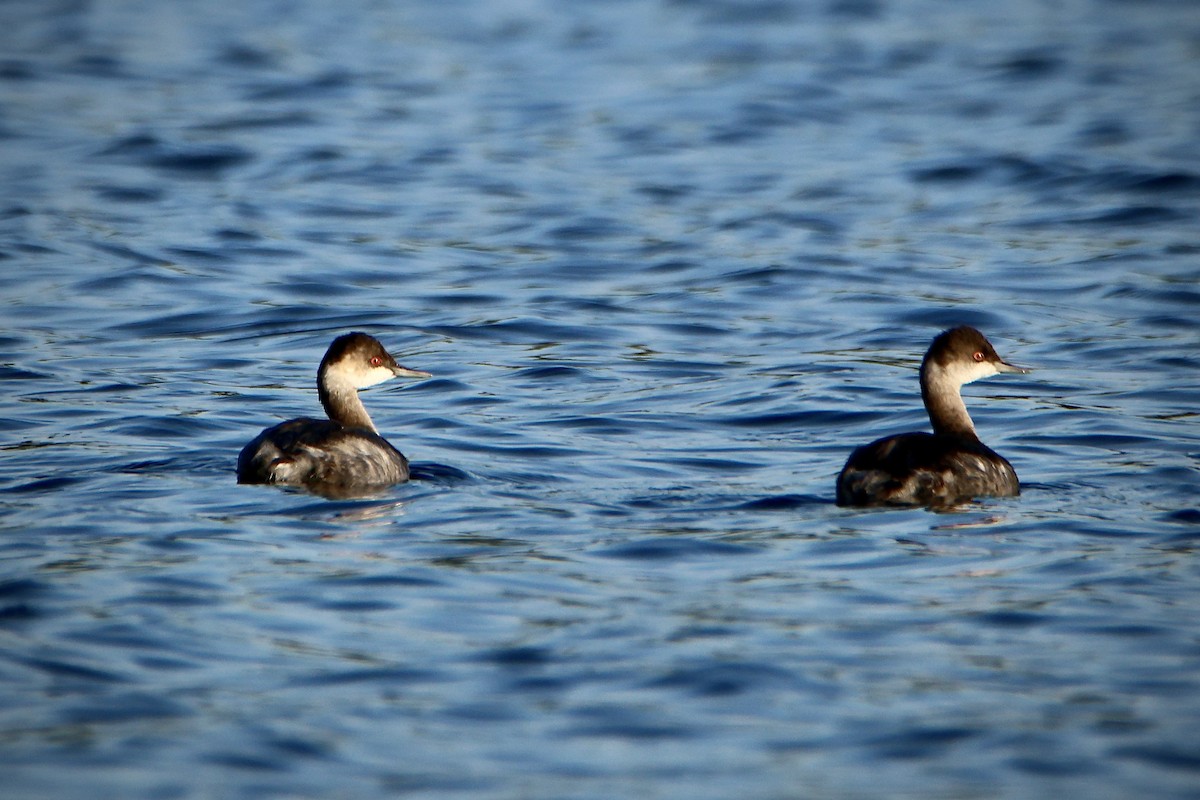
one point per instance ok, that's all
(340, 400)
(941, 391)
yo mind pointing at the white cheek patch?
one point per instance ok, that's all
(374, 376)
(986, 369)
(969, 371)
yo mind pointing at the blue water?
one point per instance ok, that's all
(668, 263)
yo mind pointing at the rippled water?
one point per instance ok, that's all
(668, 262)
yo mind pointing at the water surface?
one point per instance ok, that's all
(668, 262)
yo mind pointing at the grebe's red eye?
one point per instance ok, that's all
(978, 356)
(377, 361)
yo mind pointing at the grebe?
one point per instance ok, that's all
(949, 465)
(345, 453)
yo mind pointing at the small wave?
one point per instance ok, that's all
(672, 548)
(194, 160)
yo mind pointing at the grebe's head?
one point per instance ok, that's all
(361, 361)
(963, 354)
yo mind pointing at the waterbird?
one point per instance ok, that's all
(341, 455)
(950, 465)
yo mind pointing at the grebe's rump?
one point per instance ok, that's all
(950, 465)
(342, 455)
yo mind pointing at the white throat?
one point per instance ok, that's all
(941, 390)
(339, 397)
